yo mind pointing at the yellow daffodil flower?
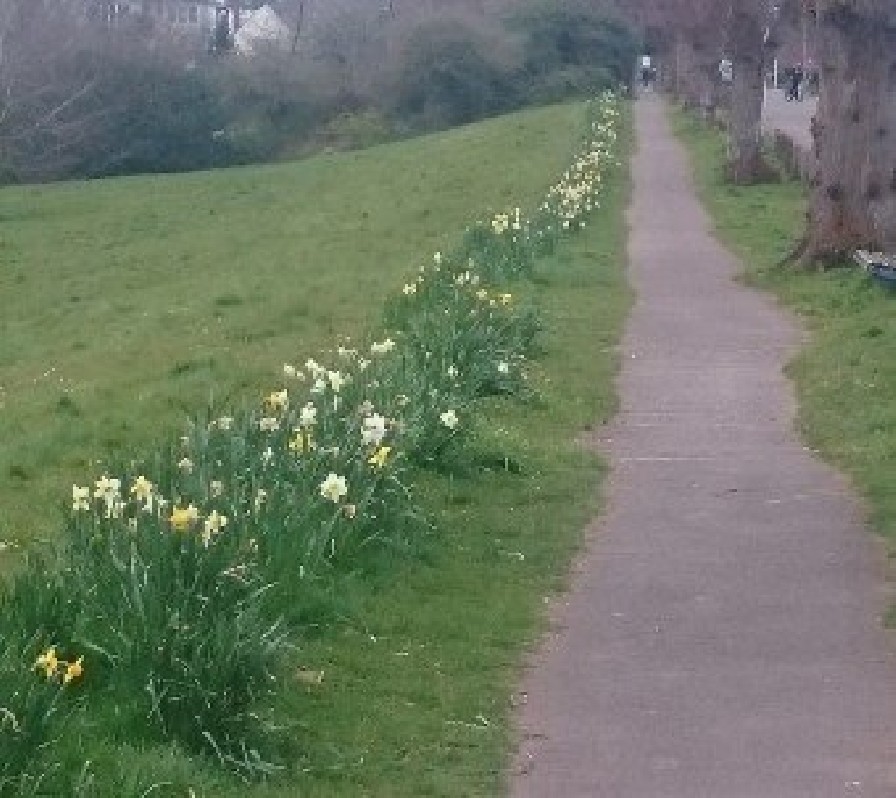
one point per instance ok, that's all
(48, 662)
(143, 491)
(302, 442)
(73, 670)
(277, 401)
(379, 457)
(182, 517)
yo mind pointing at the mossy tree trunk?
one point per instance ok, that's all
(853, 204)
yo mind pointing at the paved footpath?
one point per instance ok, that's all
(792, 118)
(722, 638)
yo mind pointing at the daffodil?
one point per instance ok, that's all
(142, 489)
(277, 401)
(212, 526)
(503, 367)
(183, 517)
(452, 371)
(80, 499)
(373, 430)
(383, 347)
(301, 442)
(409, 289)
(268, 424)
(73, 670)
(215, 488)
(48, 662)
(314, 367)
(107, 488)
(379, 457)
(337, 380)
(308, 415)
(109, 491)
(334, 488)
(186, 465)
(289, 371)
(449, 419)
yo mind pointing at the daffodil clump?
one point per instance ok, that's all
(180, 567)
(577, 193)
(38, 691)
(504, 247)
(461, 338)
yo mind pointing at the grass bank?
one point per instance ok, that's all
(126, 304)
(405, 689)
(846, 374)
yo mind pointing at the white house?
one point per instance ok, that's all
(249, 27)
(259, 29)
(186, 16)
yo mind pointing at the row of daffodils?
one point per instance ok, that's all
(184, 587)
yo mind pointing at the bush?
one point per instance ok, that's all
(558, 39)
(450, 75)
(160, 117)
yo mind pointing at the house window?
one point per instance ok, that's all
(160, 8)
(194, 14)
(172, 12)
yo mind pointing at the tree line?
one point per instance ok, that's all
(79, 98)
(853, 192)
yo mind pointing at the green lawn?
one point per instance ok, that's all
(126, 304)
(846, 375)
(205, 284)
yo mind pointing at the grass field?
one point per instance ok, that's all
(127, 303)
(846, 375)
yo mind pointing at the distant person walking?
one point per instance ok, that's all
(646, 71)
(795, 84)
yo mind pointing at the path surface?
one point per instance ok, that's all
(722, 638)
(792, 118)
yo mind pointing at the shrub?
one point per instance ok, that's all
(558, 40)
(449, 75)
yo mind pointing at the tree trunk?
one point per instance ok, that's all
(694, 84)
(853, 202)
(745, 164)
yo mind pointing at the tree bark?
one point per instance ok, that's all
(853, 204)
(746, 33)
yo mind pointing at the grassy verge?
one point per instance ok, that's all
(846, 374)
(417, 669)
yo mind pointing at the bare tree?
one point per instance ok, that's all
(853, 201)
(694, 36)
(45, 85)
(747, 25)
